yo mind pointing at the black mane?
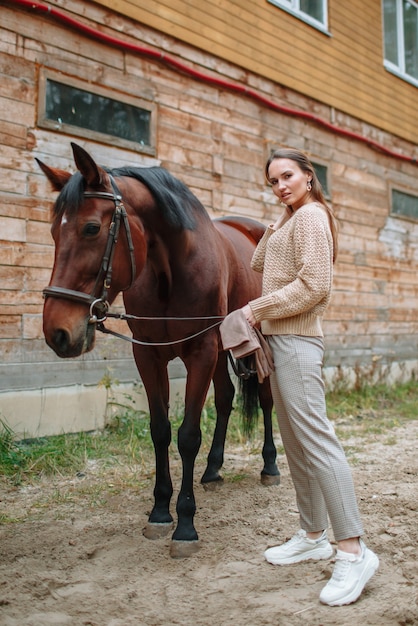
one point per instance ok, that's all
(174, 199)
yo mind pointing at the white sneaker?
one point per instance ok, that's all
(350, 575)
(300, 548)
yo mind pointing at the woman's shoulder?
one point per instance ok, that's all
(312, 208)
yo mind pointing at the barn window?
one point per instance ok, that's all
(401, 38)
(404, 204)
(322, 173)
(314, 12)
(73, 107)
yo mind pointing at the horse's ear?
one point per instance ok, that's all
(56, 177)
(92, 173)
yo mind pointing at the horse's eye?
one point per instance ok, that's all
(89, 230)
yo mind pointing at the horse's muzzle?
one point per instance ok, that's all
(69, 345)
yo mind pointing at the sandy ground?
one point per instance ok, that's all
(77, 560)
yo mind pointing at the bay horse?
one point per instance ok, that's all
(141, 231)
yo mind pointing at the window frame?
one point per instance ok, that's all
(325, 168)
(405, 192)
(79, 131)
(398, 69)
(293, 7)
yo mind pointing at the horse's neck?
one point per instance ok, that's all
(168, 256)
(159, 259)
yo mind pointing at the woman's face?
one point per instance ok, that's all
(289, 182)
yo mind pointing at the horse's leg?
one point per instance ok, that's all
(270, 474)
(199, 374)
(224, 392)
(155, 379)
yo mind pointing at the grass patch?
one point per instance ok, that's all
(373, 409)
(126, 441)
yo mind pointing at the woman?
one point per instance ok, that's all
(296, 256)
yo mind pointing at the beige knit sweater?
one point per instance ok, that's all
(296, 261)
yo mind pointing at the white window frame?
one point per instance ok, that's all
(399, 69)
(293, 7)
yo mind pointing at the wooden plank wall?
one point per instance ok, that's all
(217, 142)
(343, 69)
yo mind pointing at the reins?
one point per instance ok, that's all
(239, 367)
(108, 331)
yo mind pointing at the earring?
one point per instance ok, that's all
(309, 185)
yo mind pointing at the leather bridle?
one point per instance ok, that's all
(99, 306)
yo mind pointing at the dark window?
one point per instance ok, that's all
(314, 8)
(404, 204)
(69, 105)
(322, 173)
(123, 121)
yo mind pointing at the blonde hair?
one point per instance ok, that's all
(317, 193)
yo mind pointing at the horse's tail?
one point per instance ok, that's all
(249, 402)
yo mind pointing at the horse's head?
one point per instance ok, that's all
(90, 267)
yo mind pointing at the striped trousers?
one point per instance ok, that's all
(317, 463)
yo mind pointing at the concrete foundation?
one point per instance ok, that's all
(76, 408)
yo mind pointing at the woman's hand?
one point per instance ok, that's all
(249, 315)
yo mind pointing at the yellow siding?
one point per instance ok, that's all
(344, 70)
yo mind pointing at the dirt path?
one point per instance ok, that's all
(76, 561)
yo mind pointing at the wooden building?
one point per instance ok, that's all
(214, 86)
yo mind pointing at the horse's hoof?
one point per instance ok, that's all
(268, 480)
(183, 549)
(156, 531)
(212, 485)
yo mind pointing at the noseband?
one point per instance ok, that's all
(98, 304)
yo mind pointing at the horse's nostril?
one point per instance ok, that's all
(61, 341)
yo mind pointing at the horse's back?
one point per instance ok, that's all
(249, 227)
(240, 236)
